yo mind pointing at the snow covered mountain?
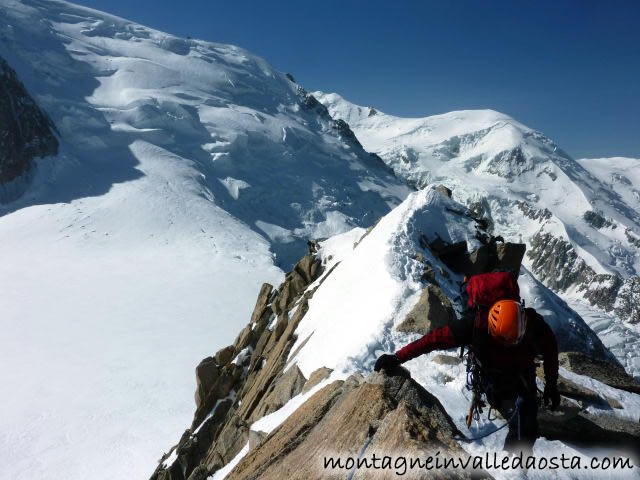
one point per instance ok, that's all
(187, 174)
(579, 219)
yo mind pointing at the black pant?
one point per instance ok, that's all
(523, 428)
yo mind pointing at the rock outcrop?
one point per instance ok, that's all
(572, 423)
(556, 264)
(433, 310)
(26, 132)
(606, 372)
(316, 377)
(244, 381)
(355, 419)
(295, 282)
(444, 191)
(285, 387)
(493, 253)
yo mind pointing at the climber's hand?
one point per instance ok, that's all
(387, 362)
(551, 395)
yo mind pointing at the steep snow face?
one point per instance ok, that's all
(183, 168)
(580, 219)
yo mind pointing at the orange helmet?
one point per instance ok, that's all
(507, 322)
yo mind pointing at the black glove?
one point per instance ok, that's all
(551, 395)
(386, 361)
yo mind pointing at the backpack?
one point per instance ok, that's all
(487, 288)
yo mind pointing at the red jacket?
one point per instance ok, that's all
(538, 339)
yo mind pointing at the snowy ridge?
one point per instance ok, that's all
(377, 283)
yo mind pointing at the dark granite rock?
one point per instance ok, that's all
(26, 132)
(433, 310)
(534, 213)
(596, 220)
(556, 264)
(444, 191)
(606, 372)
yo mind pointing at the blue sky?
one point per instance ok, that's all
(570, 69)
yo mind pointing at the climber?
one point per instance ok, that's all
(503, 341)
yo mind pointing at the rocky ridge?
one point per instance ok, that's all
(556, 263)
(399, 415)
(246, 380)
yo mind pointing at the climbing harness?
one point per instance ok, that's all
(478, 383)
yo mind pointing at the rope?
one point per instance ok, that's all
(477, 383)
(516, 410)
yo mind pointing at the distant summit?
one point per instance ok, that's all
(579, 219)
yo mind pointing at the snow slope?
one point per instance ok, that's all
(620, 174)
(188, 173)
(532, 192)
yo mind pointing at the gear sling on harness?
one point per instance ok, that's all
(478, 384)
(516, 411)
